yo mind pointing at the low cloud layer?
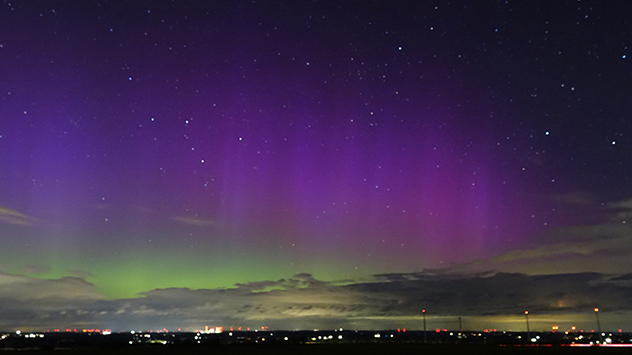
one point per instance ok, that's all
(302, 302)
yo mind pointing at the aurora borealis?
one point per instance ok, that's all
(332, 160)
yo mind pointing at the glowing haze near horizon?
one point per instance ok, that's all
(314, 155)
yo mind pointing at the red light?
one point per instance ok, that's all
(526, 312)
(596, 309)
(423, 311)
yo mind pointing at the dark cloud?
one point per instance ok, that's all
(603, 248)
(305, 303)
(26, 289)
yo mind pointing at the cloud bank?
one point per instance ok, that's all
(303, 302)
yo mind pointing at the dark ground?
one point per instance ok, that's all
(334, 349)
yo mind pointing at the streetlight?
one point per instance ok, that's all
(423, 312)
(596, 309)
(526, 314)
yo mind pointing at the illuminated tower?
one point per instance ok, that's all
(598, 324)
(526, 314)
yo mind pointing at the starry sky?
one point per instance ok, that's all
(314, 163)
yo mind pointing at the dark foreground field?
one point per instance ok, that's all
(335, 349)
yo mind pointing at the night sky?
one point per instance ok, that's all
(306, 164)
